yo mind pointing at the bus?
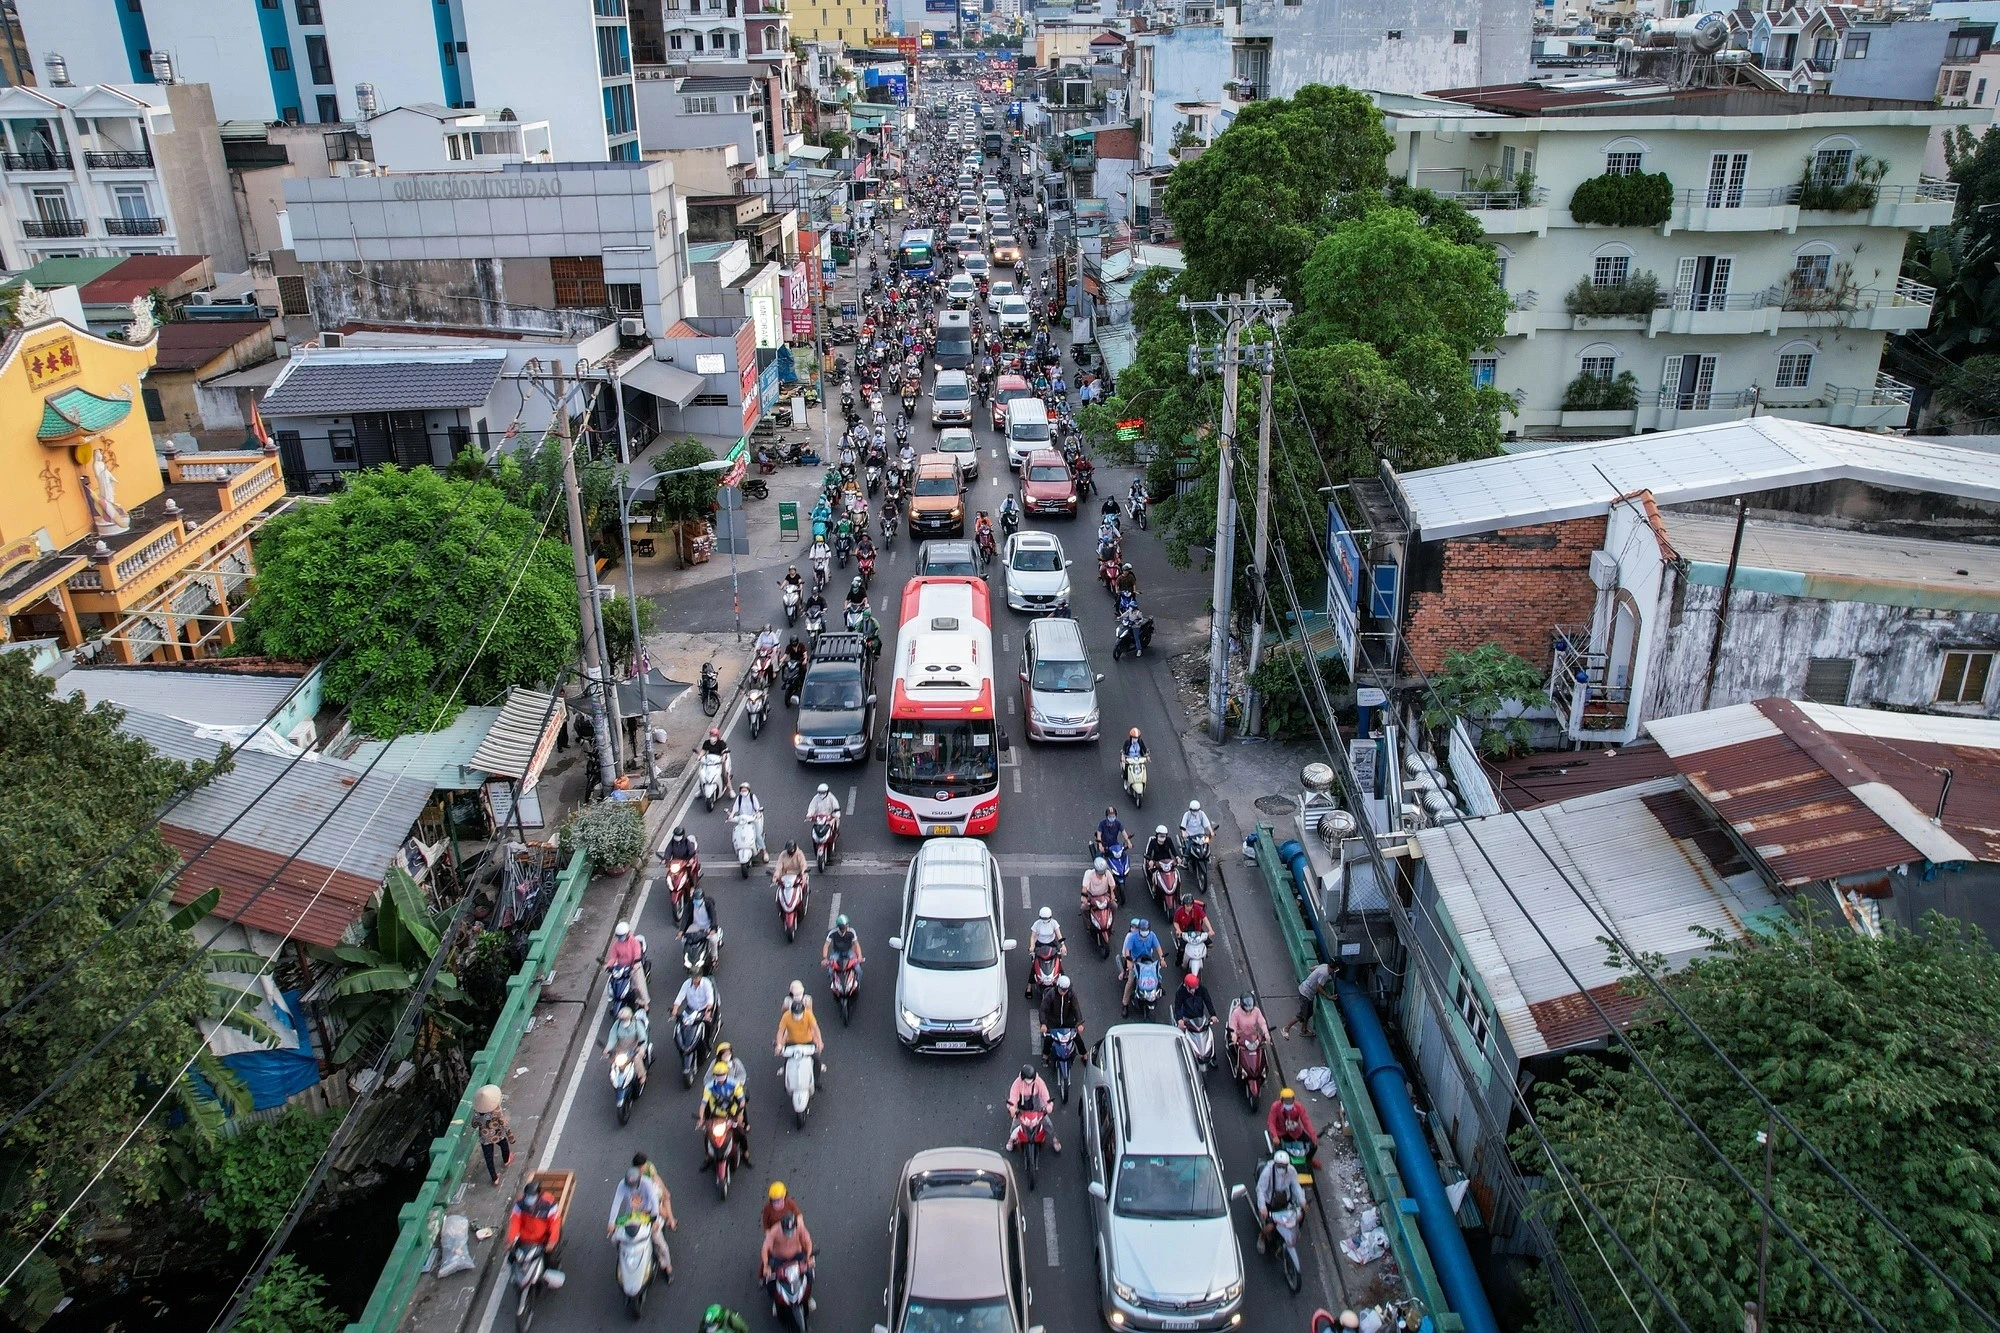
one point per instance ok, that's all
(943, 771)
(914, 256)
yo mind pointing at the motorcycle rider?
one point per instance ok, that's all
(1193, 1009)
(791, 861)
(640, 1195)
(717, 1319)
(1190, 916)
(1160, 853)
(795, 651)
(820, 555)
(767, 642)
(798, 1025)
(1060, 1008)
(1098, 883)
(1029, 1093)
(698, 995)
(824, 802)
(631, 1031)
(785, 1243)
(1010, 515)
(1288, 1122)
(1246, 1020)
(864, 548)
(1047, 930)
(535, 1220)
(793, 579)
(1196, 823)
(629, 950)
(723, 1096)
(1135, 745)
(1277, 1189)
(778, 1205)
(683, 847)
(701, 916)
(747, 806)
(815, 609)
(842, 941)
(714, 743)
(1140, 944)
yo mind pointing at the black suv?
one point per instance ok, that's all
(836, 702)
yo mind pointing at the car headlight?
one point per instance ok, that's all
(857, 740)
(991, 1021)
(1228, 1293)
(1042, 717)
(910, 1019)
(1124, 1291)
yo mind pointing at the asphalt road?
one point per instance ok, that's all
(878, 1104)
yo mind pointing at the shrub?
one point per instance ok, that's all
(252, 1178)
(610, 833)
(1282, 683)
(1485, 686)
(289, 1299)
(1641, 199)
(1594, 393)
(1857, 192)
(1637, 295)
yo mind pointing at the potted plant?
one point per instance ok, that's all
(610, 834)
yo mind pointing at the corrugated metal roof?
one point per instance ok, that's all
(441, 758)
(1818, 791)
(215, 699)
(1655, 890)
(327, 887)
(516, 744)
(1701, 463)
(336, 382)
(1543, 779)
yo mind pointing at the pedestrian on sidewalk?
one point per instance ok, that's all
(495, 1134)
(1317, 985)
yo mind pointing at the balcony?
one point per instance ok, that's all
(1579, 688)
(1928, 203)
(54, 229)
(1726, 209)
(118, 161)
(1505, 212)
(1521, 318)
(1671, 409)
(1884, 407)
(1715, 312)
(37, 161)
(1904, 308)
(134, 226)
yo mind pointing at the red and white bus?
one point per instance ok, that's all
(943, 774)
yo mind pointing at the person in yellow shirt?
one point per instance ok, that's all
(797, 1024)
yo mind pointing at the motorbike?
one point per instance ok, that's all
(853, 614)
(625, 1084)
(791, 1292)
(1284, 1223)
(1194, 852)
(1031, 1131)
(792, 891)
(843, 546)
(1118, 858)
(874, 475)
(711, 690)
(825, 837)
(791, 675)
(618, 989)
(693, 1040)
(1135, 634)
(1098, 909)
(1146, 991)
(866, 564)
(635, 1262)
(1137, 508)
(1163, 879)
(1193, 951)
(764, 666)
(1010, 523)
(801, 1065)
(756, 707)
(1246, 1062)
(1299, 1151)
(1062, 1054)
(815, 626)
(528, 1272)
(680, 884)
(1044, 967)
(1108, 570)
(1201, 1043)
(743, 840)
(844, 976)
(909, 404)
(889, 525)
(1133, 775)
(698, 953)
(756, 488)
(719, 1151)
(709, 775)
(791, 598)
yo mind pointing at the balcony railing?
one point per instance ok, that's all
(1887, 390)
(56, 228)
(1578, 687)
(1732, 197)
(1523, 300)
(1792, 296)
(37, 161)
(1712, 400)
(1694, 300)
(135, 226)
(118, 161)
(1926, 191)
(1474, 201)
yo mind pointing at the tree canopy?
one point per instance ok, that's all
(430, 557)
(1881, 1051)
(1962, 261)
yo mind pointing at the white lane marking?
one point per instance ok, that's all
(852, 792)
(1005, 643)
(1049, 1230)
(1027, 899)
(833, 906)
(1017, 781)
(1010, 705)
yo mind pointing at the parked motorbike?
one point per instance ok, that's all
(843, 974)
(825, 838)
(1133, 773)
(801, 1066)
(792, 891)
(711, 690)
(756, 708)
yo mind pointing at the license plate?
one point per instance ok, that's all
(1177, 1323)
(941, 830)
(964, 1046)
(829, 754)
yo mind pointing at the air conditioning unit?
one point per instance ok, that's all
(331, 340)
(632, 327)
(201, 298)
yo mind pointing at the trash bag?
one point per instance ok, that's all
(553, 1278)
(455, 1249)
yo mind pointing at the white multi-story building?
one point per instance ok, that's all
(113, 169)
(1404, 46)
(1767, 285)
(568, 62)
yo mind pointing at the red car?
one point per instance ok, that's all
(1046, 485)
(1005, 390)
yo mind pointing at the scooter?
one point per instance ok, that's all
(866, 563)
(1043, 969)
(1194, 951)
(874, 475)
(815, 626)
(801, 1065)
(1284, 1224)
(825, 837)
(1201, 1043)
(625, 1084)
(698, 953)
(1194, 851)
(618, 983)
(764, 666)
(635, 1262)
(791, 1292)
(693, 1040)
(529, 1274)
(1146, 991)
(1163, 879)
(1119, 858)
(744, 839)
(1137, 508)
(1031, 1131)
(711, 690)
(1135, 635)
(791, 599)
(718, 1138)
(792, 891)
(843, 974)
(1062, 1054)
(1247, 1063)
(708, 773)
(1133, 773)
(843, 546)
(1099, 910)
(791, 675)
(680, 885)
(756, 707)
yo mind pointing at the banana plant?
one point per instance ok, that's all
(404, 935)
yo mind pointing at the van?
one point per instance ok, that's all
(1058, 688)
(951, 399)
(937, 499)
(954, 340)
(1164, 1237)
(1027, 429)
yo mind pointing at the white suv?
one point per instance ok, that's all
(951, 978)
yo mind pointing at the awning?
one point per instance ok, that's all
(660, 691)
(519, 742)
(661, 380)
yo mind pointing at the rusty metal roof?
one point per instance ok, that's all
(1817, 791)
(1546, 777)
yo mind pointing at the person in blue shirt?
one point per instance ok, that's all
(1140, 943)
(1111, 832)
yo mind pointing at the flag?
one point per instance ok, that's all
(257, 428)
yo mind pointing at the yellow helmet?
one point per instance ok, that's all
(777, 1190)
(1285, 1094)
(720, 1069)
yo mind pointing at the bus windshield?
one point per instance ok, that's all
(941, 754)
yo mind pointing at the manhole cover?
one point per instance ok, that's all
(1276, 805)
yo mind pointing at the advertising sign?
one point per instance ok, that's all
(899, 88)
(798, 300)
(1343, 581)
(752, 408)
(764, 319)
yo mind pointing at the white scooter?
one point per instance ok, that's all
(791, 598)
(801, 1065)
(709, 774)
(635, 1262)
(756, 707)
(1133, 772)
(1194, 951)
(746, 836)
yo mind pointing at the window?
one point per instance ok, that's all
(1726, 172)
(1962, 46)
(1811, 272)
(52, 205)
(309, 15)
(1965, 676)
(1625, 162)
(292, 295)
(618, 117)
(1610, 270)
(317, 62)
(1395, 34)
(1823, 49)
(328, 106)
(130, 202)
(290, 115)
(1794, 370)
(1857, 46)
(698, 106)
(340, 443)
(1507, 156)
(1469, 1009)
(267, 4)
(1828, 680)
(614, 54)
(675, 40)
(1484, 368)
(281, 57)
(1599, 367)
(579, 282)
(448, 55)
(1458, 36)
(1832, 166)
(626, 297)
(1979, 94)
(155, 409)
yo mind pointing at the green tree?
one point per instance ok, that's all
(1436, 288)
(691, 495)
(371, 562)
(1487, 687)
(251, 1180)
(74, 789)
(290, 1299)
(1878, 1049)
(618, 645)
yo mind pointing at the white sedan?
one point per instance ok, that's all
(1014, 313)
(999, 291)
(1035, 569)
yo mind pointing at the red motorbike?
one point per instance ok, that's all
(1098, 908)
(765, 668)
(792, 891)
(682, 876)
(1108, 570)
(1246, 1061)
(719, 1148)
(1046, 966)
(1031, 1132)
(1162, 877)
(867, 564)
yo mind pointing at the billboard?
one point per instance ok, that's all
(1343, 581)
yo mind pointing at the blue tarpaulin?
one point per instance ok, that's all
(274, 1076)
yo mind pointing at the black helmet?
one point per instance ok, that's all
(1027, 1073)
(680, 831)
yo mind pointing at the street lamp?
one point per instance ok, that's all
(625, 497)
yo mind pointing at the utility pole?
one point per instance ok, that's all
(1236, 313)
(1261, 540)
(586, 596)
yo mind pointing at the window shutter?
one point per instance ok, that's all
(1670, 375)
(1828, 680)
(1684, 282)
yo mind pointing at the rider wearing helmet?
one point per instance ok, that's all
(1047, 930)
(1140, 944)
(682, 846)
(798, 1025)
(716, 744)
(628, 950)
(1277, 1188)
(778, 1205)
(791, 861)
(842, 942)
(1196, 823)
(1029, 1093)
(1060, 1008)
(723, 1096)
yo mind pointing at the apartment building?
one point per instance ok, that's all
(113, 170)
(1279, 46)
(848, 22)
(1679, 257)
(726, 39)
(566, 61)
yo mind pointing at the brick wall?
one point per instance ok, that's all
(1510, 587)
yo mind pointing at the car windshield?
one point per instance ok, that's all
(831, 693)
(958, 1317)
(950, 944)
(1013, 305)
(930, 755)
(1029, 430)
(1008, 395)
(937, 486)
(1048, 472)
(1064, 677)
(952, 393)
(956, 444)
(1037, 559)
(1168, 1187)
(953, 565)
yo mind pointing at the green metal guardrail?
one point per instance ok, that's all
(394, 1289)
(1376, 1149)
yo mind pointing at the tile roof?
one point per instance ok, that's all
(1817, 791)
(188, 345)
(336, 382)
(1545, 778)
(79, 410)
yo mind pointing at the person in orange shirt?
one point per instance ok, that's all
(535, 1220)
(797, 1024)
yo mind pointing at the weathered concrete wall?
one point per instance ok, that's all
(196, 180)
(464, 293)
(1348, 42)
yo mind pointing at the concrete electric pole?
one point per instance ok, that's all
(586, 597)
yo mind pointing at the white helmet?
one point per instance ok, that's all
(822, 789)
(1100, 865)
(1194, 805)
(796, 990)
(1047, 915)
(1281, 1158)
(1160, 828)
(622, 929)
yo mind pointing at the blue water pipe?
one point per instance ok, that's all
(1436, 1219)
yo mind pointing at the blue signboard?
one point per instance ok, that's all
(1343, 581)
(826, 270)
(940, 6)
(899, 88)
